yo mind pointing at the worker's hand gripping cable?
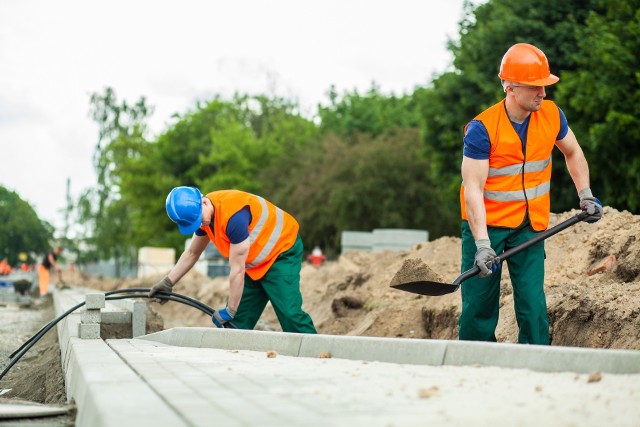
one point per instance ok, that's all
(163, 286)
(222, 317)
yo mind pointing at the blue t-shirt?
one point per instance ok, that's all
(237, 228)
(477, 144)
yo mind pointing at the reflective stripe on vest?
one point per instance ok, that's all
(519, 179)
(537, 166)
(518, 196)
(272, 231)
(273, 238)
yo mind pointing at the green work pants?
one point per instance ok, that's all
(281, 286)
(481, 296)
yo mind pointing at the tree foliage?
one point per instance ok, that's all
(21, 231)
(603, 94)
(368, 183)
(374, 113)
(103, 210)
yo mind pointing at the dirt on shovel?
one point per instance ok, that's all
(415, 270)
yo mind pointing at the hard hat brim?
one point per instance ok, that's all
(191, 228)
(547, 81)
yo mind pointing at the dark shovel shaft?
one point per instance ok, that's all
(436, 288)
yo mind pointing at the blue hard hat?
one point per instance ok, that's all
(184, 207)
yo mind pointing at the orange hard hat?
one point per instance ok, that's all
(526, 64)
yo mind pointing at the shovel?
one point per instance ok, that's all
(424, 287)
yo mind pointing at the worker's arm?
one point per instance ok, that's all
(575, 159)
(188, 258)
(52, 261)
(186, 261)
(474, 176)
(579, 171)
(238, 253)
(54, 265)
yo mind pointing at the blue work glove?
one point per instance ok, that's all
(486, 258)
(590, 205)
(223, 316)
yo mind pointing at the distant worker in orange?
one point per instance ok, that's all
(506, 173)
(316, 258)
(49, 262)
(5, 268)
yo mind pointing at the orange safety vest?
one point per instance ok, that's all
(272, 231)
(519, 180)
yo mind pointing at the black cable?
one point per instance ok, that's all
(183, 298)
(168, 296)
(203, 307)
(208, 310)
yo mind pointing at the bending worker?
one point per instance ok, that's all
(506, 171)
(264, 250)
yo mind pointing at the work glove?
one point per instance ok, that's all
(164, 285)
(223, 316)
(590, 205)
(486, 258)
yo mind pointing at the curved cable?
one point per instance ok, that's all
(132, 293)
(197, 304)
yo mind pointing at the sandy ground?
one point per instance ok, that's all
(37, 376)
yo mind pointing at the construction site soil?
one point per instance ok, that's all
(352, 296)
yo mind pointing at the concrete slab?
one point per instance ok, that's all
(411, 351)
(543, 358)
(246, 388)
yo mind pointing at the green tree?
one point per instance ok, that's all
(120, 126)
(373, 113)
(21, 230)
(603, 95)
(381, 182)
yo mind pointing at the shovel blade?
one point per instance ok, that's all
(427, 288)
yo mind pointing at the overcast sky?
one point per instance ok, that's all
(54, 54)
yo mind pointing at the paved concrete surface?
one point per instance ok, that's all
(208, 377)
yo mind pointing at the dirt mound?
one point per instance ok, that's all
(38, 374)
(351, 296)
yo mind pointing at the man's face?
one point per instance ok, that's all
(207, 212)
(529, 98)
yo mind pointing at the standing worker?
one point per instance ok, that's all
(49, 262)
(264, 250)
(506, 172)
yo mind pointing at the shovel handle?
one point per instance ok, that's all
(521, 247)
